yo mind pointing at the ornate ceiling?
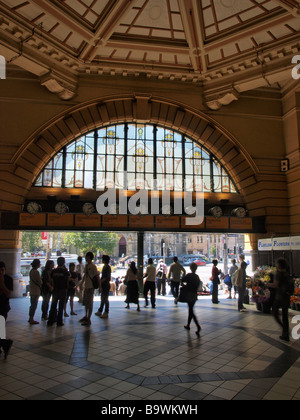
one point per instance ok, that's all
(226, 46)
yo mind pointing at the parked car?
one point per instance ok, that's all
(200, 263)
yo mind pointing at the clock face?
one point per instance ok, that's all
(61, 208)
(88, 209)
(217, 211)
(33, 207)
(240, 212)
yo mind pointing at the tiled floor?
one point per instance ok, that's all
(150, 356)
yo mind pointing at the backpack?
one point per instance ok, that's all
(234, 277)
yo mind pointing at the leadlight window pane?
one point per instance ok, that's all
(217, 184)
(131, 164)
(70, 163)
(189, 168)
(120, 163)
(225, 184)
(89, 180)
(70, 179)
(132, 131)
(58, 161)
(110, 180)
(161, 166)
(79, 176)
(89, 163)
(131, 147)
(57, 178)
(110, 163)
(100, 181)
(207, 183)
(206, 168)
(74, 165)
(47, 178)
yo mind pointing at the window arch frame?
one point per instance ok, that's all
(62, 158)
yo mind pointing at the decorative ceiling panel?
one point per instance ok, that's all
(204, 41)
(224, 15)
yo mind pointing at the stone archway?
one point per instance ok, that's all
(48, 139)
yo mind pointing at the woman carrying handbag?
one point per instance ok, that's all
(189, 294)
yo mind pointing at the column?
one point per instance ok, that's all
(251, 245)
(140, 253)
(10, 254)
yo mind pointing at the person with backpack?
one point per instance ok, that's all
(284, 285)
(161, 275)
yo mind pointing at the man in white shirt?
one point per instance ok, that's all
(150, 283)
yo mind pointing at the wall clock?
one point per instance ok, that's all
(61, 208)
(33, 207)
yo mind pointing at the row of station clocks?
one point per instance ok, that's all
(62, 208)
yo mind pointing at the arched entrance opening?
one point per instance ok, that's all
(122, 247)
(170, 143)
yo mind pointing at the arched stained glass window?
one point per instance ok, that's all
(152, 157)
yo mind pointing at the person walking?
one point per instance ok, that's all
(284, 286)
(131, 279)
(90, 272)
(104, 288)
(60, 277)
(150, 283)
(192, 284)
(241, 283)
(175, 272)
(47, 288)
(35, 288)
(6, 287)
(216, 282)
(161, 274)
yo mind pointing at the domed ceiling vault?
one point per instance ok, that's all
(225, 46)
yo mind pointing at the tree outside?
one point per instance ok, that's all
(102, 242)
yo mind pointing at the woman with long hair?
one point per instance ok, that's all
(131, 279)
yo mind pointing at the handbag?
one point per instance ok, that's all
(95, 281)
(183, 294)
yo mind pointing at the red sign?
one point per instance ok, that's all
(44, 236)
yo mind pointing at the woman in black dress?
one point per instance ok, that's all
(192, 284)
(131, 279)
